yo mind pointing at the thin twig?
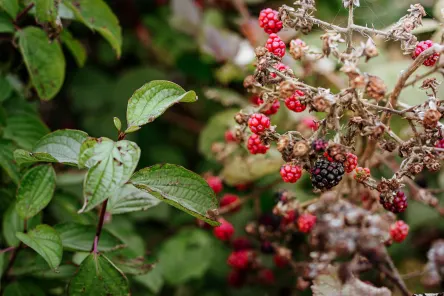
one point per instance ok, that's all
(94, 247)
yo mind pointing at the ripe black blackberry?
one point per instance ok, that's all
(396, 203)
(326, 175)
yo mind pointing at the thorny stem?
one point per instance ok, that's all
(395, 278)
(349, 28)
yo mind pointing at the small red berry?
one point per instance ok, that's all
(280, 261)
(229, 199)
(422, 46)
(397, 205)
(269, 21)
(399, 231)
(224, 231)
(275, 45)
(326, 155)
(351, 162)
(293, 102)
(215, 183)
(230, 137)
(306, 222)
(236, 278)
(256, 100)
(255, 145)
(258, 123)
(440, 144)
(280, 67)
(243, 187)
(266, 277)
(273, 109)
(290, 173)
(310, 122)
(288, 218)
(239, 259)
(361, 174)
(241, 243)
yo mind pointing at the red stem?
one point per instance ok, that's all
(99, 226)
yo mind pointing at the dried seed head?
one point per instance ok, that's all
(389, 145)
(241, 118)
(300, 148)
(249, 81)
(260, 51)
(320, 103)
(416, 168)
(383, 186)
(358, 82)
(375, 88)
(298, 48)
(337, 152)
(287, 88)
(431, 118)
(283, 143)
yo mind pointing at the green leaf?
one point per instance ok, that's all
(64, 207)
(98, 276)
(46, 10)
(5, 23)
(25, 129)
(153, 280)
(152, 99)
(75, 47)
(13, 223)
(214, 131)
(130, 199)
(5, 86)
(242, 170)
(178, 187)
(23, 288)
(10, 6)
(78, 237)
(134, 266)
(35, 190)
(111, 165)
(46, 242)
(186, 256)
(96, 15)
(23, 157)
(46, 66)
(7, 160)
(63, 145)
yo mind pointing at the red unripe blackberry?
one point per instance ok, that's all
(306, 222)
(275, 45)
(228, 199)
(310, 122)
(230, 137)
(440, 144)
(288, 218)
(280, 67)
(326, 174)
(267, 248)
(273, 109)
(258, 123)
(280, 261)
(319, 145)
(256, 100)
(293, 102)
(266, 276)
(255, 145)
(290, 173)
(350, 163)
(399, 231)
(269, 21)
(236, 278)
(397, 204)
(224, 231)
(422, 46)
(239, 259)
(215, 183)
(241, 243)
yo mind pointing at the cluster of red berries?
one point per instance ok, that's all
(258, 123)
(350, 163)
(275, 45)
(440, 144)
(306, 222)
(215, 183)
(255, 145)
(294, 104)
(273, 109)
(269, 21)
(422, 46)
(290, 173)
(229, 199)
(399, 231)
